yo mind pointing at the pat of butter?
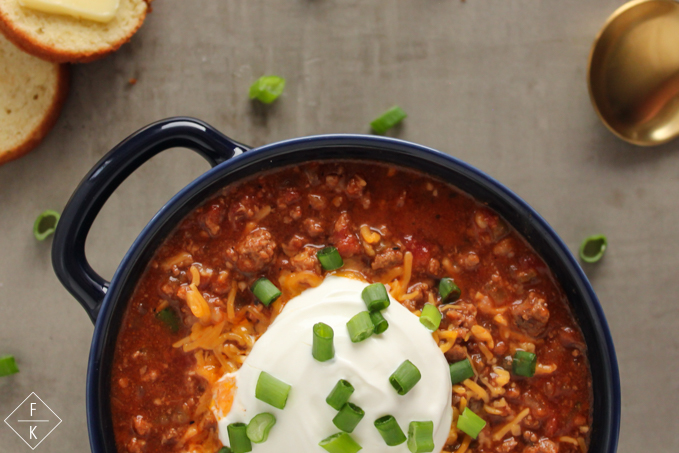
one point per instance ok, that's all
(96, 10)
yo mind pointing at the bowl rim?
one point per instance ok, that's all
(261, 155)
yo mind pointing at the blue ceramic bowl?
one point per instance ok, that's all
(105, 301)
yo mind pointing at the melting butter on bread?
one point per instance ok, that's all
(61, 38)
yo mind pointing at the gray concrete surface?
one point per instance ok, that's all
(498, 83)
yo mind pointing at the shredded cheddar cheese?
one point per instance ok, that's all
(500, 433)
(583, 446)
(492, 410)
(465, 444)
(204, 337)
(545, 369)
(569, 440)
(448, 334)
(459, 389)
(369, 236)
(195, 300)
(501, 320)
(231, 303)
(445, 347)
(391, 275)
(486, 352)
(477, 390)
(180, 259)
(407, 273)
(293, 283)
(503, 376)
(463, 404)
(412, 295)
(448, 337)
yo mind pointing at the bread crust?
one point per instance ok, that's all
(26, 43)
(48, 121)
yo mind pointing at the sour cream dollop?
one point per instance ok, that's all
(284, 351)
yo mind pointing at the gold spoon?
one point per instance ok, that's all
(633, 72)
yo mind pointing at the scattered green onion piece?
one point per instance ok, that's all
(340, 443)
(430, 317)
(238, 438)
(470, 423)
(267, 89)
(265, 291)
(8, 365)
(390, 431)
(323, 348)
(375, 297)
(379, 322)
(593, 248)
(388, 119)
(271, 390)
(421, 437)
(170, 318)
(524, 363)
(405, 377)
(259, 427)
(340, 394)
(330, 258)
(348, 417)
(360, 327)
(448, 290)
(460, 371)
(45, 224)
(225, 450)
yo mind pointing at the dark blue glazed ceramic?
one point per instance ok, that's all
(105, 301)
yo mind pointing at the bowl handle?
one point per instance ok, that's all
(68, 248)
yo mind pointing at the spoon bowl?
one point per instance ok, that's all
(633, 72)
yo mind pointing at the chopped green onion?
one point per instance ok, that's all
(259, 427)
(360, 327)
(271, 390)
(340, 443)
(448, 290)
(170, 318)
(390, 431)
(470, 423)
(460, 371)
(388, 119)
(45, 224)
(8, 365)
(340, 394)
(593, 248)
(375, 297)
(405, 377)
(348, 417)
(379, 322)
(421, 437)
(323, 348)
(238, 438)
(267, 89)
(431, 317)
(265, 291)
(225, 450)
(524, 363)
(330, 258)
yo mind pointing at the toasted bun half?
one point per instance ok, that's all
(32, 92)
(65, 39)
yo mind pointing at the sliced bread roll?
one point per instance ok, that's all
(60, 38)
(32, 92)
